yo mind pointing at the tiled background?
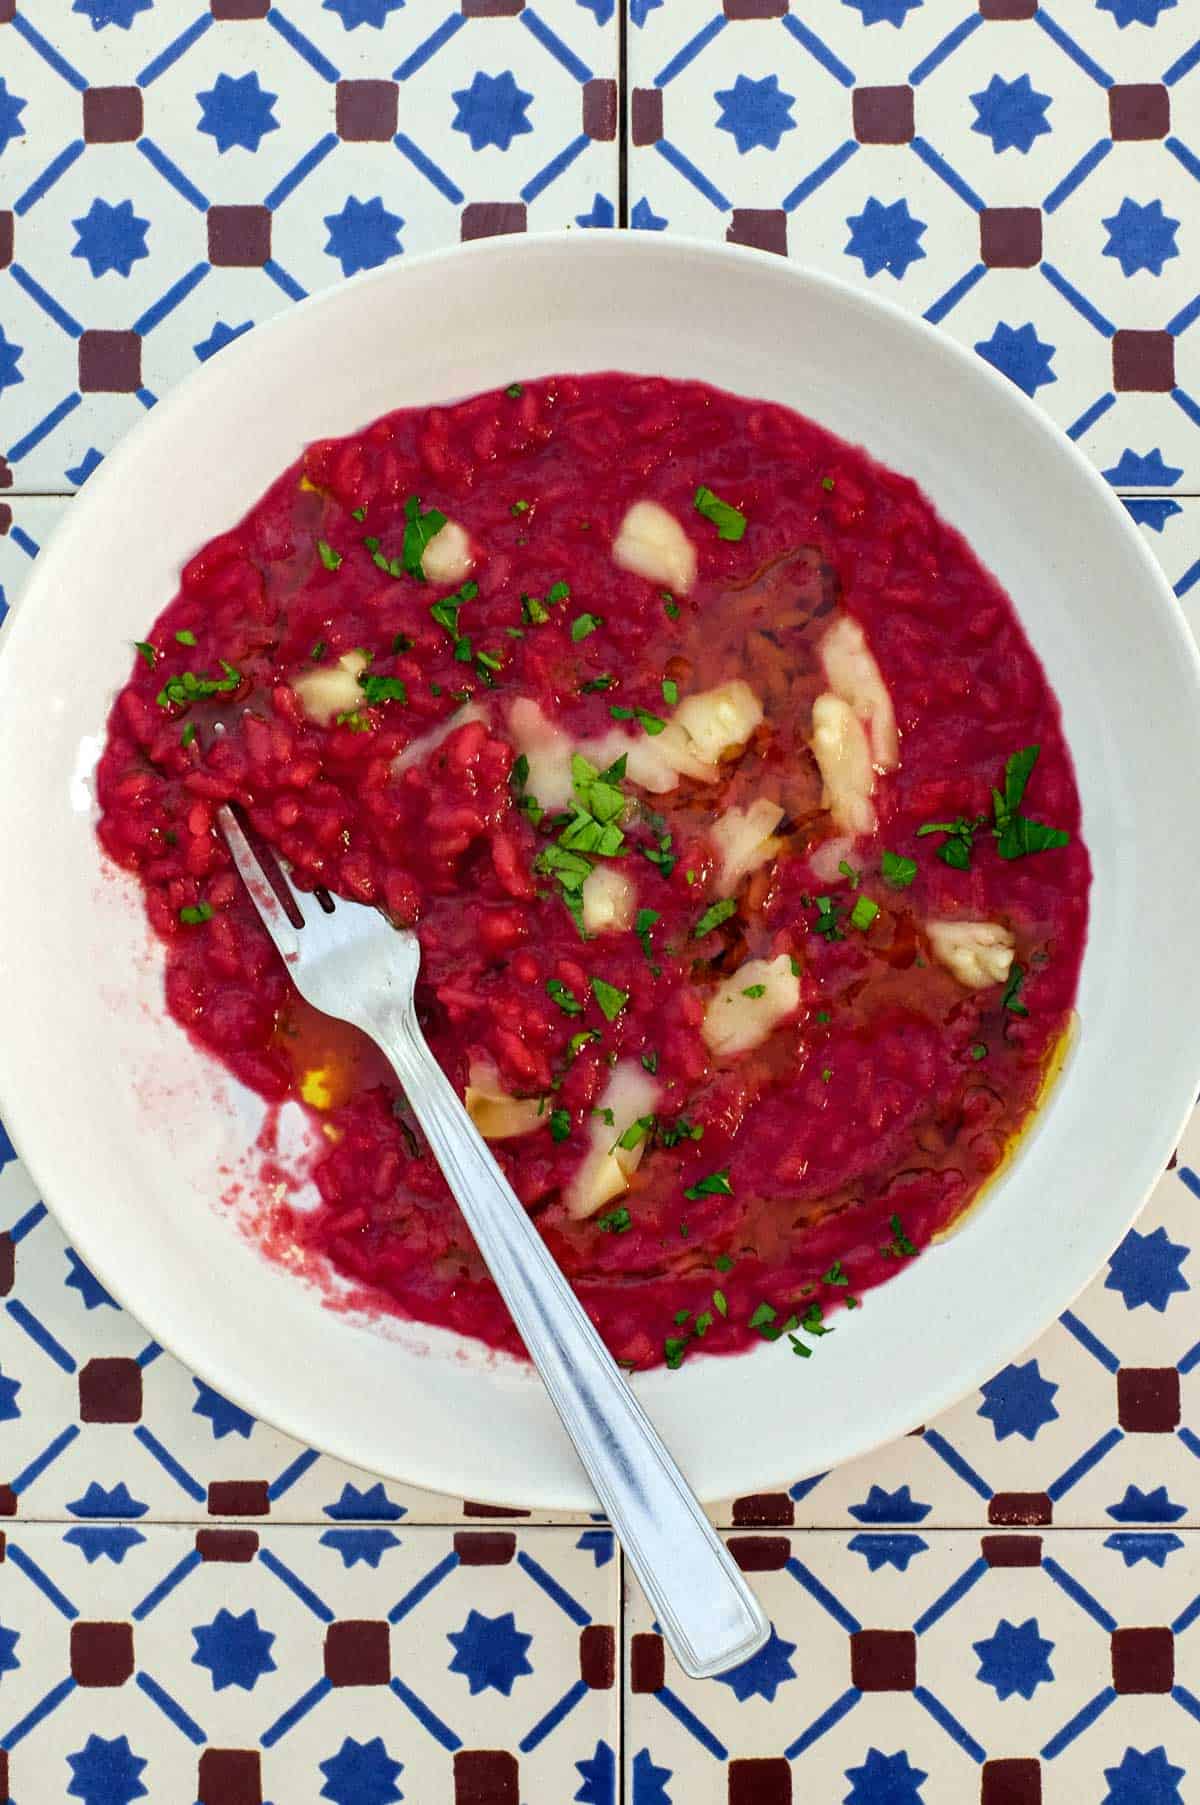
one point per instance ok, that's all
(997, 1609)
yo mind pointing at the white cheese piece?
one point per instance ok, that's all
(608, 898)
(744, 839)
(417, 751)
(448, 556)
(827, 859)
(978, 953)
(852, 674)
(651, 543)
(843, 755)
(548, 750)
(333, 689)
(606, 1169)
(498, 1116)
(734, 1022)
(653, 762)
(718, 720)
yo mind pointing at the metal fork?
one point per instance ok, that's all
(348, 961)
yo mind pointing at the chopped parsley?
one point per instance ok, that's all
(670, 691)
(560, 1124)
(604, 681)
(519, 507)
(330, 559)
(763, 1316)
(194, 913)
(606, 1116)
(146, 652)
(188, 734)
(566, 999)
(827, 923)
(835, 1275)
(1016, 834)
(615, 1223)
(960, 834)
(852, 877)
(713, 916)
(674, 1348)
(358, 513)
(383, 689)
(661, 855)
(357, 723)
(643, 922)
(650, 1061)
(186, 637)
(533, 612)
(610, 999)
(651, 723)
(827, 484)
(419, 529)
(1012, 991)
(703, 1322)
(822, 1015)
(730, 524)
(683, 1130)
(514, 391)
(898, 873)
(978, 1050)
(720, 1303)
(583, 624)
(723, 1263)
(445, 612)
(579, 1041)
(570, 869)
(318, 652)
(899, 1247)
(827, 1074)
(187, 687)
(863, 913)
(402, 643)
(636, 1133)
(670, 605)
(716, 1184)
(755, 991)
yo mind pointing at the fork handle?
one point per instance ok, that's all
(708, 1614)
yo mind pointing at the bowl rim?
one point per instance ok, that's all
(27, 1130)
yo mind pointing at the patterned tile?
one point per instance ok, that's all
(166, 186)
(1025, 175)
(934, 1669)
(353, 1665)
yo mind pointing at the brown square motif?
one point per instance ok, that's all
(1010, 237)
(763, 1781)
(647, 1664)
(883, 1660)
(112, 115)
(367, 111)
(1147, 1396)
(358, 1654)
(884, 115)
(240, 9)
(110, 1391)
(489, 219)
(1016, 1780)
(1143, 1660)
(101, 1653)
(110, 363)
(485, 1777)
(765, 228)
(230, 1777)
(1144, 361)
(1138, 111)
(239, 237)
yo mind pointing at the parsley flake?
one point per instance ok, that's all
(670, 691)
(1016, 835)
(898, 873)
(419, 529)
(643, 922)
(566, 999)
(560, 1124)
(650, 1061)
(146, 652)
(583, 625)
(730, 524)
(1012, 991)
(899, 1247)
(194, 913)
(187, 687)
(514, 391)
(610, 999)
(713, 916)
(957, 847)
(716, 1184)
(383, 689)
(615, 1223)
(186, 637)
(755, 991)
(863, 913)
(330, 559)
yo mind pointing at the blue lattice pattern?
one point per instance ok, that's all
(1024, 174)
(169, 177)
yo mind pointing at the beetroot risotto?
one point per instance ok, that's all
(729, 802)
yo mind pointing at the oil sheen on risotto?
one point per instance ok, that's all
(727, 797)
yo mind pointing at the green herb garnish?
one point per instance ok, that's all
(383, 689)
(583, 624)
(566, 999)
(330, 559)
(1012, 991)
(978, 1050)
(899, 1247)
(898, 873)
(636, 1133)
(643, 922)
(596, 683)
(755, 991)
(187, 687)
(863, 913)
(615, 1223)
(186, 637)
(610, 999)
(560, 1124)
(960, 834)
(650, 1061)
(670, 605)
(827, 923)
(730, 524)
(827, 484)
(670, 691)
(723, 1263)
(1016, 834)
(713, 916)
(146, 652)
(514, 391)
(716, 1184)
(193, 914)
(419, 529)
(188, 734)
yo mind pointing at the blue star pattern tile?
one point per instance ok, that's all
(1014, 1658)
(1024, 176)
(177, 180)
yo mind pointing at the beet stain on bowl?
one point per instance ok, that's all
(729, 801)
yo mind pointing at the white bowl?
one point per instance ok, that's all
(135, 1136)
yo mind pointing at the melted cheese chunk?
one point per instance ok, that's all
(417, 751)
(978, 953)
(827, 859)
(448, 556)
(853, 674)
(332, 690)
(744, 839)
(498, 1116)
(609, 898)
(653, 762)
(843, 755)
(735, 1022)
(651, 543)
(606, 1169)
(718, 721)
(548, 750)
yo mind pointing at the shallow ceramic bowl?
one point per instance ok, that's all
(136, 1138)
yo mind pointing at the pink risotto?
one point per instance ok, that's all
(729, 802)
